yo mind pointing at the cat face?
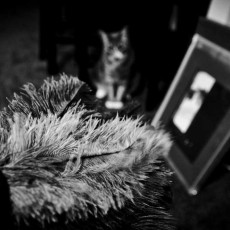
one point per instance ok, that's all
(115, 46)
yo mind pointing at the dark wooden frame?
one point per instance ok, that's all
(202, 55)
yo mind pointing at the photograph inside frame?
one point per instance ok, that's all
(195, 110)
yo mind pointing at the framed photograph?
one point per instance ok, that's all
(196, 112)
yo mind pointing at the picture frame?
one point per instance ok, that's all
(196, 112)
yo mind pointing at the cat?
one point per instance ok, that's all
(112, 73)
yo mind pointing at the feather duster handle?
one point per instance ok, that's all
(78, 164)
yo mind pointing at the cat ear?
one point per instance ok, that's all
(124, 33)
(125, 30)
(104, 37)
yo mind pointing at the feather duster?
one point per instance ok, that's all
(68, 163)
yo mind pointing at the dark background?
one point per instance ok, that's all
(159, 52)
(158, 48)
(50, 37)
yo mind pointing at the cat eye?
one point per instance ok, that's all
(122, 48)
(110, 48)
